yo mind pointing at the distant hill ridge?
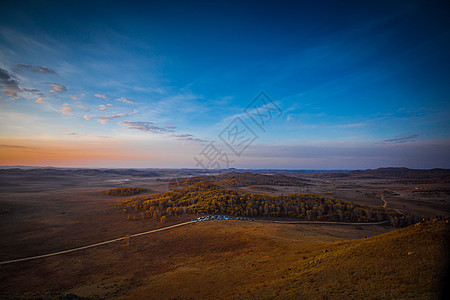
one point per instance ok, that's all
(238, 179)
(391, 172)
(85, 172)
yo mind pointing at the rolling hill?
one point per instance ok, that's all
(408, 263)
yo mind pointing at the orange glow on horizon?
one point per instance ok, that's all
(81, 153)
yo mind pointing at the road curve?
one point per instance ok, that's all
(385, 204)
(170, 227)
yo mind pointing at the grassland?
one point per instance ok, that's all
(218, 259)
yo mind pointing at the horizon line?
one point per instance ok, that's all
(215, 170)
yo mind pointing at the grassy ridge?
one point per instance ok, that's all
(206, 198)
(236, 179)
(405, 263)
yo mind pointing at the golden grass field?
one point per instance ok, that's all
(248, 260)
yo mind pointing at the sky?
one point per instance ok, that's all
(224, 84)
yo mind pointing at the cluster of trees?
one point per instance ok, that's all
(206, 198)
(236, 179)
(124, 191)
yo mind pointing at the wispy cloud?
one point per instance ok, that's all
(57, 88)
(188, 137)
(87, 117)
(102, 96)
(16, 147)
(104, 120)
(402, 139)
(125, 100)
(40, 100)
(34, 69)
(145, 127)
(10, 85)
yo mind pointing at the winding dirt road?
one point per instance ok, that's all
(167, 228)
(385, 202)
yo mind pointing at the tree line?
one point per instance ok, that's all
(206, 198)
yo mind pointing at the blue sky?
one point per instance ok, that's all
(114, 84)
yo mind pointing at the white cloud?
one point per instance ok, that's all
(103, 96)
(125, 100)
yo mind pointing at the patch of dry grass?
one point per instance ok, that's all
(400, 264)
